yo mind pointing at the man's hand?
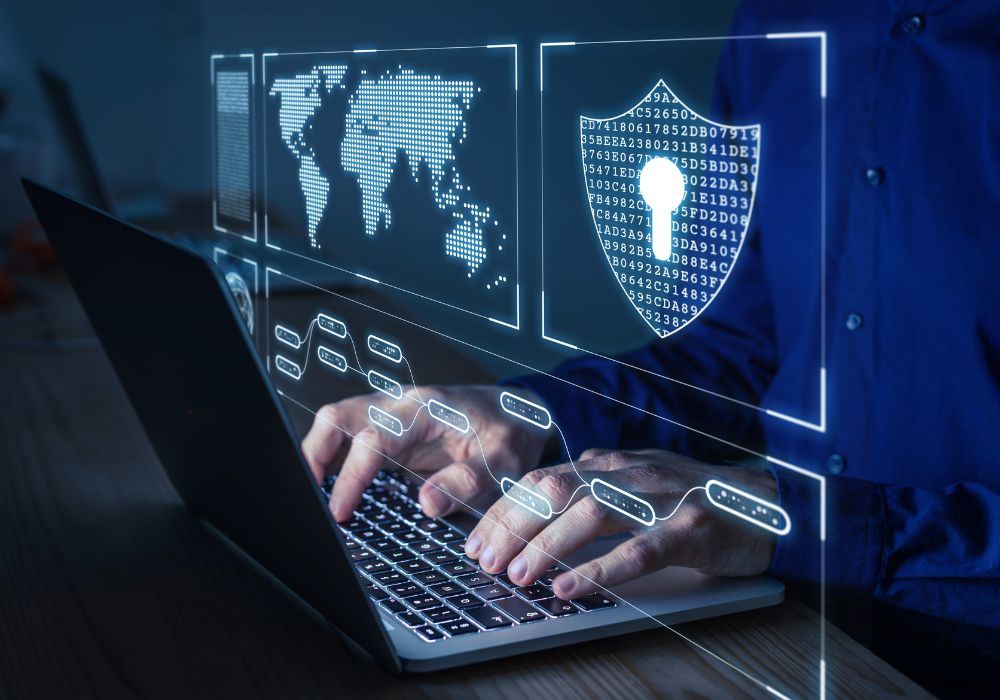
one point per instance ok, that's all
(698, 535)
(342, 439)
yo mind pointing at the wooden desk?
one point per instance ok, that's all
(111, 588)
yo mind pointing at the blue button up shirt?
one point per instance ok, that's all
(912, 335)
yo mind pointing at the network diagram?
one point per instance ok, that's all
(726, 497)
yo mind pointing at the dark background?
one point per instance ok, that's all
(139, 71)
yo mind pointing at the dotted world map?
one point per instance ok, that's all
(399, 112)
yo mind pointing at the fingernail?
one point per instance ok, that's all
(518, 569)
(567, 586)
(473, 544)
(487, 557)
(435, 502)
(333, 506)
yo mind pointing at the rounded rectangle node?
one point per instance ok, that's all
(622, 501)
(533, 501)
(525, 410)
(744, 505)
(451, 417)
(384, 420)
(288, 367)
(385, 348)
(329, 324)
(387, 385)
(331, 358)
(287, 336)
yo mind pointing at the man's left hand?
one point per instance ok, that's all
(698, 535)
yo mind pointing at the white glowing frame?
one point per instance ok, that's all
(393, 354)
(508, 486)
(387, 385)
(385, 420)
(819, 426)
(338, 361)
(513, 48)
(443, 414)
(252, 146)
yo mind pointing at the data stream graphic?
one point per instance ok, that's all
(730, 499)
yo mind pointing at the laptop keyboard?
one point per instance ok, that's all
(416, 569)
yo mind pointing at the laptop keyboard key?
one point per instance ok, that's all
(441, 557)
(464, 601)
(432, 526)
(367, 534)
(425, 547)
(397, 555)
(429, 577)
(536, 592)
(361, 555)
(414, 566)
(447, 536)
(520, 610)
(429, 634)
(459, 627)
(557, 608)
(494, 592)
(373, 566)
(410, 619)
(422, 602)
(382, 545)
(376, 594)
(393, 606)
(475, 580)
(488, 617)
(402, 590)
(549, 576)
(440, 615)
(594, 601)
(388, 578)
(457, 568)
(449, 588)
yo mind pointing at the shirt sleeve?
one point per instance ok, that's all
(918, 550)
(674, 382)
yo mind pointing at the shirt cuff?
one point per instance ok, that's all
(855, 543)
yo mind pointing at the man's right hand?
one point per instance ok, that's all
(342, 439)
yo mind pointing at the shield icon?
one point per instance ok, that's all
(671, 194)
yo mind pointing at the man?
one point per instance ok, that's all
(913, 356)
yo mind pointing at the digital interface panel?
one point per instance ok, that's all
(654, 185)
(233, 94)
(399, 166)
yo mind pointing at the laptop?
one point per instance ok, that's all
(392, 582)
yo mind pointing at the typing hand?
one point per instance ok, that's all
(342, 439)
(698, 535)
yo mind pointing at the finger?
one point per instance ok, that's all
(593, 453)
(578, 526)
(324, 440)
(445, 491)
(636, 557)
(363, 462)
(500, 510)
(515, 525)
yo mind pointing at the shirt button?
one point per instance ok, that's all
(875, 176)
(853, 321)
(835, 463)
(912, 25)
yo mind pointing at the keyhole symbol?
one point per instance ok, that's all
(662, 186)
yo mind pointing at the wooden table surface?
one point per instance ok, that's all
(111, 588)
